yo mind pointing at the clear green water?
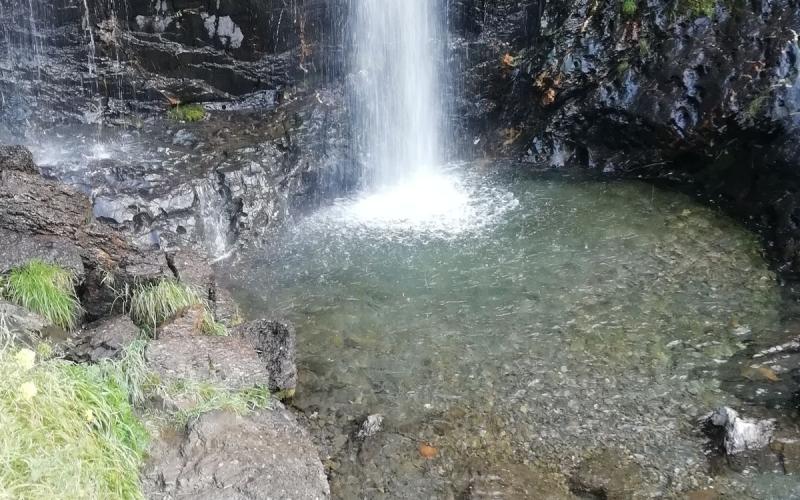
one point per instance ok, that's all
(543, 321)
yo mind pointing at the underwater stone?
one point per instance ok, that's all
(371, 426)
(741, 434)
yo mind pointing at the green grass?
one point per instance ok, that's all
(7, 337)
(45, 289)
(67, 430)
(206, 398)
(211, 326)
(153, 304)
(131, 372)
(629, 7)
(187, 113)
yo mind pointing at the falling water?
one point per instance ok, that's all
(397, 105)
(92, 52)
(34, 36)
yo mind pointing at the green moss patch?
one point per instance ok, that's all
(187, 113)
(629, 7)
(45, 289)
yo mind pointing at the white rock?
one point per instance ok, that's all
(741, 434)
(371, 426)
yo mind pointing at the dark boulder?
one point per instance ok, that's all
(276, 344)
(17, 158)
(104, 339)
(19, 249)
(60, 218)
(18, 325)
(193, 269)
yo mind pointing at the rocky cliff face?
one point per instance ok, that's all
(102, 59)
(697, 92)
(275, 138)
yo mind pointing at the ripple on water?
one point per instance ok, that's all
(534, 321)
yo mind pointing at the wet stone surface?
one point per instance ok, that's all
(577, 320)
(232, 176)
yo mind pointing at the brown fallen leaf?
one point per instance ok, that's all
(509, 61)
(757, 373)
(549, 97)
(427, 451)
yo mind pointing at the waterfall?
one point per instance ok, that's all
(396, 105)
(398, 95)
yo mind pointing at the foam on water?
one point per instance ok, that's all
(441, 204)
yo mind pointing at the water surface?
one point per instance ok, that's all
(533, 323)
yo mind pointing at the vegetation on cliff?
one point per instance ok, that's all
(187, 113)
(153, 304)
(45, 289)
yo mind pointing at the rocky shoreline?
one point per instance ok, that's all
(257, 451)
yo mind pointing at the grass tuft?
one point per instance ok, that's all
(187, 113)
(45, 289)
(153, 304)
(67, 430)
(211, 326)
(205, 397)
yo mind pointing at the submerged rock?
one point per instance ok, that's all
(225, 456)
(276, 344)
(372, 425)
(609, 474)
(501, 480)
(739, 435)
